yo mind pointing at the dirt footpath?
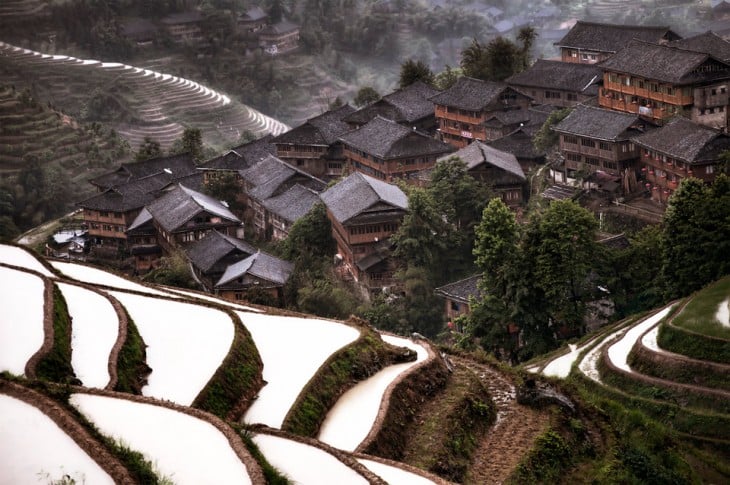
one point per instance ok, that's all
(513, 434)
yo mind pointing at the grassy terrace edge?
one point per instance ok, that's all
(679, 369)
(132, 369)
(703, 425)
(692, 344)
(342, 370)
(56, 364)
(239, 377)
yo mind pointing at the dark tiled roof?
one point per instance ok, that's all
(255, 151)
(413, 102)
(470, 94)
(357, 193)
(292, 204)
(280, 28)
(324, 129)
(206, 252)
(477, 153)
(610, 37)
(518, 143)
(260, 265)
(508, 118)
(270, 175)
(564, 76)
(708, 42)
(174, 165)
(144, 218)
(687, 141)
(253, 14)
(230, 160)
(128, 196)
(183, 18)
(599, 124)
(461, 290)
(181, 204)
(663, 63)
(387, 139)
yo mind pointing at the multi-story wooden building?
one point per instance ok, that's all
(558, 83)
(658, 82)
(251, 22)
(279, 38)
(594, 139)
(273, 201)
(499, 169)
(182, 216)
(314, 146)
(462, 109)
(388, 151)
(364, 213)
(678, 150)
(591, 42)
(458, 296)
(261, 273)
(184, 27)
(210, 256)
(410, 106)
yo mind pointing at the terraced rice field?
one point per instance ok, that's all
(143, 103)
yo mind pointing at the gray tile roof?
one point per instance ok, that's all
(292, 204)
(174, 165)
(707, 42)
(563, 76)
(272, 175)
(206, 252)
(406, 105)
(461, 290)
(260, 265)
(687, 141)
(280, 28)
(507, 118)
(323, 130)
(599, 124)
(144, 217)
(359, 192)
(387, 139)
(478, 153)
(664, 63)
(470, 94)
(610, 37)
(518, 143)
(129, 196)
(178, 206)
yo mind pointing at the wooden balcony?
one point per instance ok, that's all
(443, 114)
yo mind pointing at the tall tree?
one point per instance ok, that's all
(310, 235)
(148, 149)
(526, 36)
(564, 262)
(695, 235)
(365, 96)
(495, 61)
(191, 142)
(412, 71)
(447, 78)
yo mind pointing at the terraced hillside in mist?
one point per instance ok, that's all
(136, 102)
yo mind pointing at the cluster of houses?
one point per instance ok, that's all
(649, 109)
(253, 27)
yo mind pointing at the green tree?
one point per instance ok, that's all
(191, 142)
(225, 187)
(495, 61)
(412, 71)
(447, 78)
(173, 271)
(423, 309)
(526, 36)
(365, 96)
(563, 262)
(148, 149)
(276, 11)
(695, 235)
(546, 138)
(311, 235)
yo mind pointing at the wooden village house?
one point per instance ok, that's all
(462, 109)
(389, 151)
(364, 213)
(558, 83)
(592, 42)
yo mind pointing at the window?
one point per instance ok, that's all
(587, 143)
(552, 95)
(714, 91)
(572, 97)
(573, 140)
(573, 157)
(710, 169)
(610, 165)
(592, 161)
(573, 54)
(603, 145)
